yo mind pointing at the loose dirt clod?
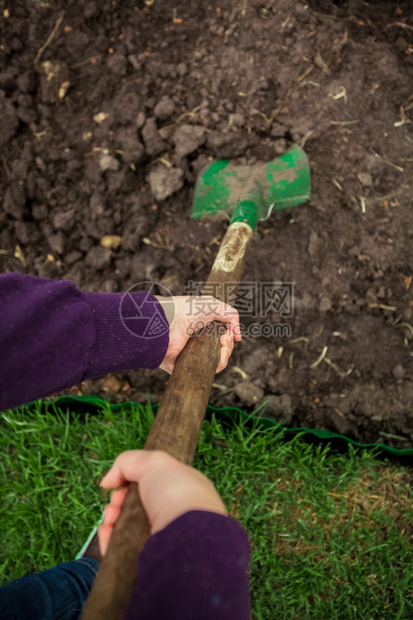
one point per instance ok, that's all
(165, 181)
(187, 139)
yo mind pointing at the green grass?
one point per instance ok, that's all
(331, 534)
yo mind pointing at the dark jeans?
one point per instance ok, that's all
(59, 593)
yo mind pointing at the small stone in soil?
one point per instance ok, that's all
(132, 147)
(108, 162)
(280, 146)
(165, 181)
(325, 305)
(140, 120)
(64, 220)
(15, 201)
(188, 138)
(164, 108)
(72, 257)
(398, 372)
(249, 393)
(153, 142)
(26, 232)
(111, 384)
(365, 179)
(98, 258)
(238, 119)
(227, 145)
(57, 243)
(111, 241)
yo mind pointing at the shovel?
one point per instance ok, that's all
(245, 195)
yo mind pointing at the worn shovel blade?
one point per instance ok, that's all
(281, 183)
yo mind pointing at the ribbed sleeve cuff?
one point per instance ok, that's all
(131, 331)
(196, 567)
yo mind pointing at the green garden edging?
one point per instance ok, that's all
(231, 412)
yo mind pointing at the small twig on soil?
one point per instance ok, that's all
(240, 372)
(321, 64)
(49, 38)
(341, 94)
(191, 113)
(405, 107)
(388, 196)
(165, 162)
(160, 246)
(383, 307)
(387, 161)
(219, 386)
(304, 139)
(337, 184)
(344, 123)
(200, 266)
(19, 254)
(319, 359)
(405, 324)
(215, 241)
(339, 371)
(390, 436)
(91, 59)
(340, 335)
(400, 25)
(363, 204)
(300, 339)
(318, 332)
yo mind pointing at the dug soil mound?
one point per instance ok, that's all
(109, 110)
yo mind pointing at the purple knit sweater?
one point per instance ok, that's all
(53, 336)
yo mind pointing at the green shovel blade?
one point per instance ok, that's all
(251, 193)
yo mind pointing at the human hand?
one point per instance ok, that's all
(188, 314)
(167, 489)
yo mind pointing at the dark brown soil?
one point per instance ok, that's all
(86, 119)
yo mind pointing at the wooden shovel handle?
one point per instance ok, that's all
(175, 430)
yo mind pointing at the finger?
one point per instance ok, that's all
(227, 346)
(117, 497)
(111, 514)
(104, 534)
(213, 309)
(129, 467)
(229, 315)
(124, 469)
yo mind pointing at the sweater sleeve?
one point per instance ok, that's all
(53, 336)
(196, 567)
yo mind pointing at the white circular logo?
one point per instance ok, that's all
(140, 313)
